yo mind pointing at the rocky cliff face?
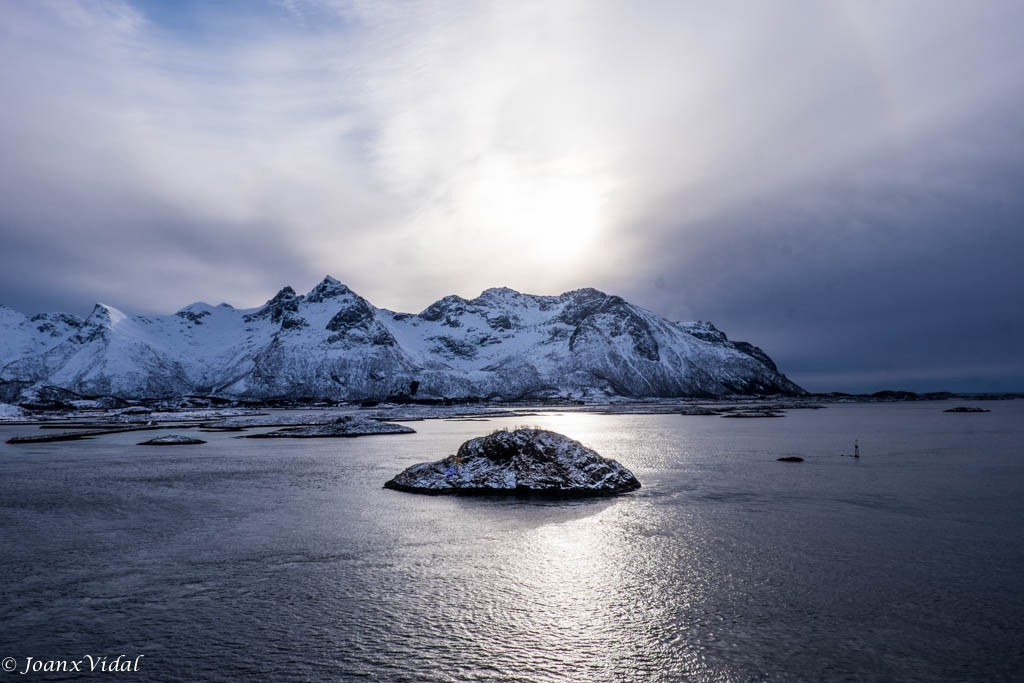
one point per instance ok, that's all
(333, 344)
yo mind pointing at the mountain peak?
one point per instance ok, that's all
(100, 323)
(453, 304)
(104, 314)
(286, 292)
(284, 301)
(499, 292)
(584, 293)
(197, 307)
(327, 289)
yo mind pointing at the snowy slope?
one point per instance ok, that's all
(332, 343)
(24, 336)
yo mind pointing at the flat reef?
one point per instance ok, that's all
(345, 426)
(172, 440)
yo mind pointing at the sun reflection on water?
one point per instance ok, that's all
(588, 603)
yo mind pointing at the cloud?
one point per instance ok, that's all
(669, 151)
(122, 145)
(904, 267)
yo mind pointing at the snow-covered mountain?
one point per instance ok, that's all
(333, 344)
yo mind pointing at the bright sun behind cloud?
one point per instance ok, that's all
(545, 216)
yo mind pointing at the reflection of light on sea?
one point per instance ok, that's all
(603, 593)
(569, 584)
(601, 589)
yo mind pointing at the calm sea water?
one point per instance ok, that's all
(286, 560)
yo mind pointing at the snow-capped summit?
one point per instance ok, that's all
(100, 321)
(333, 344)
(327, 289)
(284, 302)
(105, 314)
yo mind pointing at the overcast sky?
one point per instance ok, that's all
(841, 183)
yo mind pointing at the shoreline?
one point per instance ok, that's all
(275, 413)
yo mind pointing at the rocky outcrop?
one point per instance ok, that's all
(524, 461)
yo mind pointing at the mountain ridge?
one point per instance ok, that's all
(333, 344)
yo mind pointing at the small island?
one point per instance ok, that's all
(172, 440)
(966, 409)
(523, 461)
(345, 426)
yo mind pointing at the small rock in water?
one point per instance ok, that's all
(790, 458)
(172, 440)
(966, 409)
(533, 461)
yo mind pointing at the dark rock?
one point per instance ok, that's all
(756, 353)
(966, 409)
(500, 322)
(790, 458)
(447, 308)
(581, 304)
(192, 316)
(285, 301)
(452, 347)
(705, 331)
(558, 334)
(524, 461)
(291, 321)
(356, 313)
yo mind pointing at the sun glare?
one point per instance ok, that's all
(548, 217)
